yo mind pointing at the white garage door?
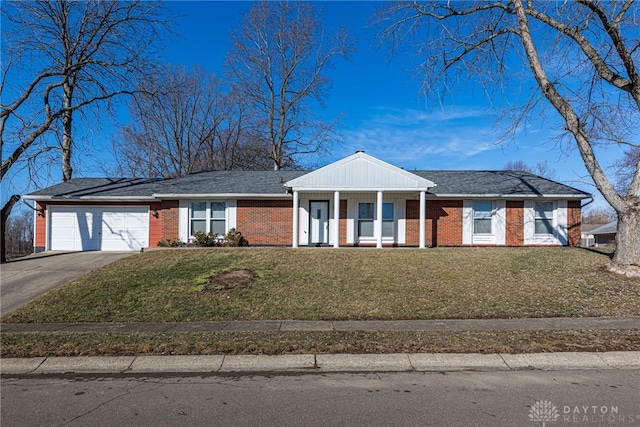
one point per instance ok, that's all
(99, 228)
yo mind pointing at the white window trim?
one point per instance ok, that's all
(352, 229)
(559, 223)
(185, 215)
(498, 223)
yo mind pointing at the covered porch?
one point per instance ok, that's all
(359, 200)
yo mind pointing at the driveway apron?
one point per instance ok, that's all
(24, 279)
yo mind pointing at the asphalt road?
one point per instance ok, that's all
(24, 279)
(575, 398)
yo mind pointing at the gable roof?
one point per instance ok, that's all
(360, 172)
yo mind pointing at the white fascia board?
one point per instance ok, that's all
(223, 196)
(507, 196)
(360, 190)
(90, 198)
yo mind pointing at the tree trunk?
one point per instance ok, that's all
(4, 215)
(626, 259)
(67, 136)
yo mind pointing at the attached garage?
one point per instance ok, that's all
(98, 228)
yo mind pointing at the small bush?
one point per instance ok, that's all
(169, 243)
(234, 238)
(206, 240)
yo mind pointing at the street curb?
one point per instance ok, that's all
(321, 363)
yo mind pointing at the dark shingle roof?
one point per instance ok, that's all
(205, 183)
(610, 228)
(507, 183)
(232, 182)
(511, 183)
(101, 187)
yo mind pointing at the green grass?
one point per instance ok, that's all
(335, 284)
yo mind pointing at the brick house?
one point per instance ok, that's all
(356, 201)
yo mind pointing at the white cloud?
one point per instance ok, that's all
(419, 139)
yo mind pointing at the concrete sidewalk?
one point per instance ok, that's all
(560, 323)
(319, 363)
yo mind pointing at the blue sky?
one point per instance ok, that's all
(384, 112)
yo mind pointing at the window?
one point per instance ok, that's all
(544, 217)
(218, 218)
(387, 220)
(366, 215)
(365, 219)
(482, 212)
(198, 217)
(208, 217)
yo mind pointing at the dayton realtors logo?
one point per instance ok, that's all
(543, 411)
(546, 412)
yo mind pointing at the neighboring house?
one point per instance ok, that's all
(586, 238)
(605, 235)
(357, 201)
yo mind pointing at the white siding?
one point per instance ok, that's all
(467, 222)
(500, 222)
(183, 218)
(303, 222)
(232, 214)
(359, 171)
(560, 217)
(529, 222)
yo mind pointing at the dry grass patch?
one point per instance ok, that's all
(114, 344)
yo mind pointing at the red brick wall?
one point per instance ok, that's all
(167, 225)
(412, 224)
(574, 221)
(515, 223)
(343, 223)
(443, 225)
(444, 222)
(41, 227)
(265, 222)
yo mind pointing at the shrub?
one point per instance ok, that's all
(206, 239)
(169, 243)
(234, 238)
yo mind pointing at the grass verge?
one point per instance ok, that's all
(115, 344)
(340, 284)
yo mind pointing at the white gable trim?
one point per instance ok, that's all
(359, 172)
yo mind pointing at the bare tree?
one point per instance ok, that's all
(184, 122)
(541, 168)
(277, 64)
(580, 58)
(19, 234)
(598, 215)
(61, 61)
(626, 167)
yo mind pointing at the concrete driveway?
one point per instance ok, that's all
(24, 279)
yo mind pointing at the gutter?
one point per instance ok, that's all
(512, 196)
(90, 198)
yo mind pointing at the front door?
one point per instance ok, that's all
(319, 227)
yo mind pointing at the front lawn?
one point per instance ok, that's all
(346, 283)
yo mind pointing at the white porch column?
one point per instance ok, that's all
(378, 221)
(423, 218)
(296, 215)
(336, 219)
